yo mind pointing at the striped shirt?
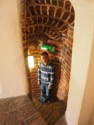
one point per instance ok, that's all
(45, 73)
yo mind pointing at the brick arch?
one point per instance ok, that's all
(52, 13)
(50, 22)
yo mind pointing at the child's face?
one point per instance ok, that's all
(44, 59)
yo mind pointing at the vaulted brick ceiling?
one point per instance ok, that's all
(48, 19)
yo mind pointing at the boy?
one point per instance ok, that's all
(45, 77)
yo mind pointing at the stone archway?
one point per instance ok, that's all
(52, 22)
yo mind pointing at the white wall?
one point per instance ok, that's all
(83, 37)
(87, 107)
(13, 80)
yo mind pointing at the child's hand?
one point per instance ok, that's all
(49, 86)
(38, 83)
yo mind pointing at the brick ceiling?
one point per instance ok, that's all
(48, 19)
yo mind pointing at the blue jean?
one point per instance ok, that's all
(45, 92)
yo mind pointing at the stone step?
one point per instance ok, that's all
(34, 119)
(51, 111)
(61, 121)
(19, 111)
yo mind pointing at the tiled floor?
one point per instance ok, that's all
(24, 111)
